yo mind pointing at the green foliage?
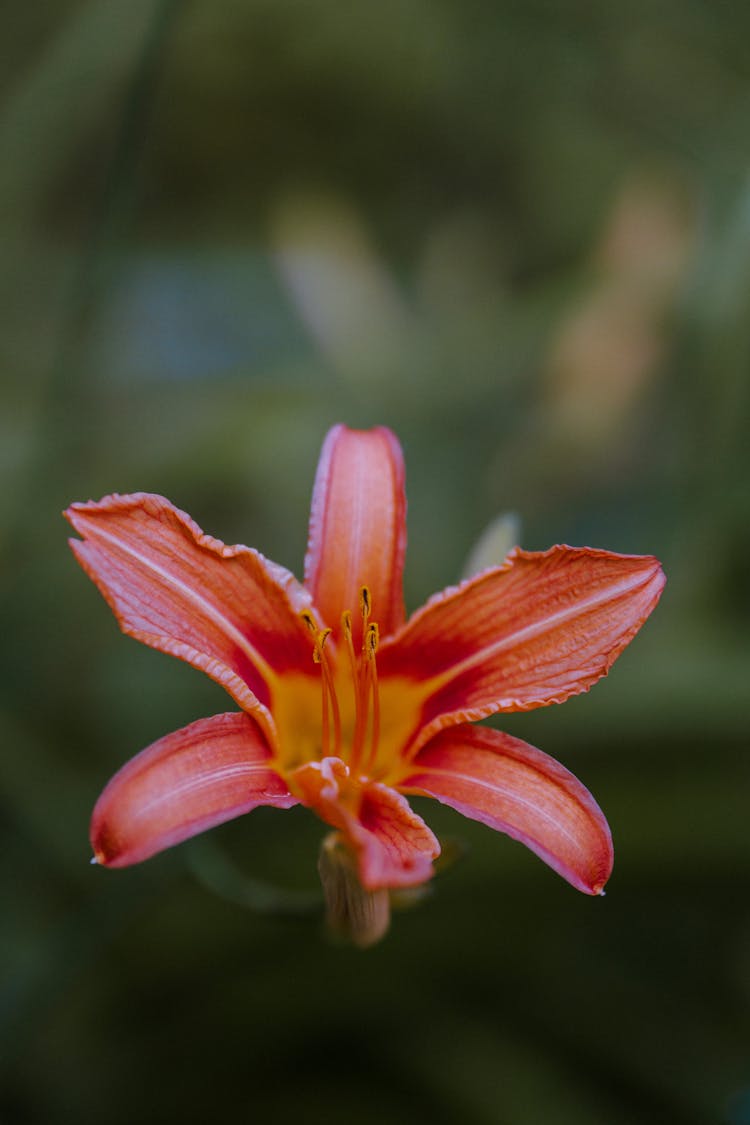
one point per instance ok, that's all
(519, 234)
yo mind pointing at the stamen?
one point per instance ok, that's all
(363, 668)
(330, 704)
(372, 639)
(319, 658)
(359, 682)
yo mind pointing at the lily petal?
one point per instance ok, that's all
(394, 847)
(540, 628)
(513, 787)
(189, 781)
(358, 527)
(226, 610)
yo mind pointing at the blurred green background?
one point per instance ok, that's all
(519, 234)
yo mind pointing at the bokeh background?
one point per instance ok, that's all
(519, 234)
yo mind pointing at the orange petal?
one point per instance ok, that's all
(394, 847)
(540, 628)
(226, 610)
(191, 780)
(358, 527)
(516, 789)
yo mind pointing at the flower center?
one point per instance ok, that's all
(342, 708)
(350, 731)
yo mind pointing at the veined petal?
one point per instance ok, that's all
(516, 789)
(540, 628)
(226, 610)
(358, 527)
(394, 847)
(189, 781)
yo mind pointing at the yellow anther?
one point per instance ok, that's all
(365, 604)
(320, 639)
(372, 638)
(346, 624)
(309, 620)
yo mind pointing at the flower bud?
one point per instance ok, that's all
(352, 912)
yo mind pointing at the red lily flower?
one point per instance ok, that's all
(346, 706)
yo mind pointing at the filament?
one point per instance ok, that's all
(330, 704)
(371, 647)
